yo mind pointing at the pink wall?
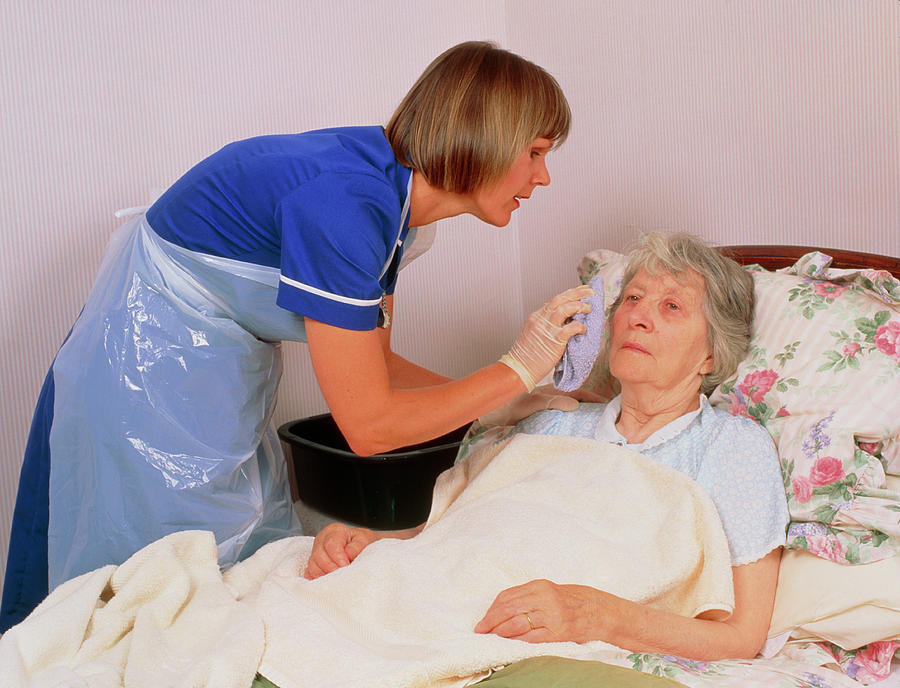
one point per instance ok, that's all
(745, 121)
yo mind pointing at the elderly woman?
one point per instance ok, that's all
(679, 327)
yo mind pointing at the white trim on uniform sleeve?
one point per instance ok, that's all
(329, 295)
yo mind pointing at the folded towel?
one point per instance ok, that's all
(581, 351)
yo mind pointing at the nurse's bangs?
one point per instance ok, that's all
(473, 111)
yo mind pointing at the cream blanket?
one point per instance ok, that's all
(163, 618)
(570, 510)
(566, 509)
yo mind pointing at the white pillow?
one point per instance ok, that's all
(850, 606)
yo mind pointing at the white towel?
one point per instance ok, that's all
(163, 618)
(570, 510)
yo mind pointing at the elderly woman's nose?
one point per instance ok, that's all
(639, 316)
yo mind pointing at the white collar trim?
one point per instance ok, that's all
(606, 426)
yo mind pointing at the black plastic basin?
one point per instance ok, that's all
(383, 492)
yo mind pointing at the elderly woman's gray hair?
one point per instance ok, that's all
(728, 302)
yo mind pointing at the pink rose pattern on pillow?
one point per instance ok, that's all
(834, 470)
(887, 340)
(872, 334)
(822, 376)
(823, 350)
(867, 665)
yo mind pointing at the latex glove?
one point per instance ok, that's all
(543, 398)
(543, 340)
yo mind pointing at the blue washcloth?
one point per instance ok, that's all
(581, 351)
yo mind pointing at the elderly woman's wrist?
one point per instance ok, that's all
(603, 616)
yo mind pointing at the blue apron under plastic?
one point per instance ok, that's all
(164, 392)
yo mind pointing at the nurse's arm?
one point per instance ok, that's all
(381, 402)
(404, 374)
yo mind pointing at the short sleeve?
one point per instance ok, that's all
(579, 422)
(338, 232)
(742, 474)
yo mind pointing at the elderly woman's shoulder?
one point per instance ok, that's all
(739, 427)
(579, 422)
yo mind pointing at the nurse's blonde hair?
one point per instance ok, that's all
(473, 111)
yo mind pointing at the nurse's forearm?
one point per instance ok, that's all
(375, 415)
(405, 374)
(422, 413)
(410, 416)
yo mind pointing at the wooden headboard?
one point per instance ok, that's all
(772, 257)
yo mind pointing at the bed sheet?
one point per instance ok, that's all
(808, 665)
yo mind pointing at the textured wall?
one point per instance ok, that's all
(745, 121)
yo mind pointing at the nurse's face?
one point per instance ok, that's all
(495, 204)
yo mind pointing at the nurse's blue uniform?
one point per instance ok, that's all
(156, 415)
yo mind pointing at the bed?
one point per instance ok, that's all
(836, 619)
(823, 377)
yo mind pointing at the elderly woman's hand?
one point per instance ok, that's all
(336, 545)
(542, 611)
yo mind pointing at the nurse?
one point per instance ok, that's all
(156, 413)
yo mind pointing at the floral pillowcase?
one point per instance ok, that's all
(823, 376)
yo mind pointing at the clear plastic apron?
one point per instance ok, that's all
(162, 416)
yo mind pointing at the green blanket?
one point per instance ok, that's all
(560, 672)
(556, 672)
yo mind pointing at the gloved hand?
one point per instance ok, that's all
(543, 340)
(543, 398)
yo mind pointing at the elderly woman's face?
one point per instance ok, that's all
(659, 333)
